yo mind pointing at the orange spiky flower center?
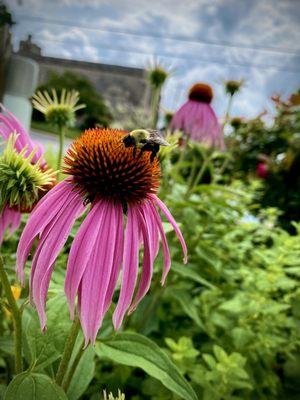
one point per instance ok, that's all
(102, 167)
(201, 92)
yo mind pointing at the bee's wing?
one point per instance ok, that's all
(157, 138)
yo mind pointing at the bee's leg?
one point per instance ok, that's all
(154, 152)
(134, 151)
(141, 151)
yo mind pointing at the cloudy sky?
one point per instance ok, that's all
(200, 40)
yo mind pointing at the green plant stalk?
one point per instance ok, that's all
(69, 346)
(200, 173)
(71, 373)
(181, 155)
(229, 105)
(155, 103)
(16, 315)
(228, 110)
(61, 132)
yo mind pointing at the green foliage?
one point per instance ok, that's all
(95, 112)
(138, 351)
(278, 146)
(224, 327)
(222, 375)
(34, 387)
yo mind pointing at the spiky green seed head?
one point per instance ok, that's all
(60, 115)
(58, 111)
(233, 87)
(21, 182)
(157, 76)
(121, 396)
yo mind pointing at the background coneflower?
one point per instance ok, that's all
(197, 119)
(120, 186)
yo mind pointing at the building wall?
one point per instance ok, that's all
(120, 86)
(5, 52)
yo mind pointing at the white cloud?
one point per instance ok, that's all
(200, 24)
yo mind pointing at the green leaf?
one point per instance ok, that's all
(7, 344)
(42, 349)
(83, 375)
(186, 302)
(190, 272)
(39, 348)
(220, 354)
(33, 387)
(138, 351)
(2, 391)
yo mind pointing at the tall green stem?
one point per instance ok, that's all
(200, 173)
(16, 315)
(61, 132)
(155, 103)
(229, 105)
(73, 368)
(69, 346)
(227, 114)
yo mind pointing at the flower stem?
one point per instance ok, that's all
(155, 103)
(61, 147)
(227, 114)
(200, 174)
(17, 317)
(68, 380)
(69, 346)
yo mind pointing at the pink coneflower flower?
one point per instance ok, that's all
(10, 124)
(23, 171)
(120, 187)
(262, 171)
(197, 119)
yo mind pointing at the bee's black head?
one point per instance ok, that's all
(129, 141)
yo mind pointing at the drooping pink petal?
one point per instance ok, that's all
(165, 247)
(154, 233)
(149, 255)
(97, 275)
(172, 221)
(118, 256)
(81, 250)
(51, 242)
(9, 219)
(42, 214)
(130, 266)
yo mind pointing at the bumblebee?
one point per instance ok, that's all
(145, 140)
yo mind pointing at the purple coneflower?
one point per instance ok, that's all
(197, 119)
(20, 147)
(121, 188)
(10, 124)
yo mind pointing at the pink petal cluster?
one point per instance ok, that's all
(9, 124)
(105, 244)
(200, 123)
(9, 219)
